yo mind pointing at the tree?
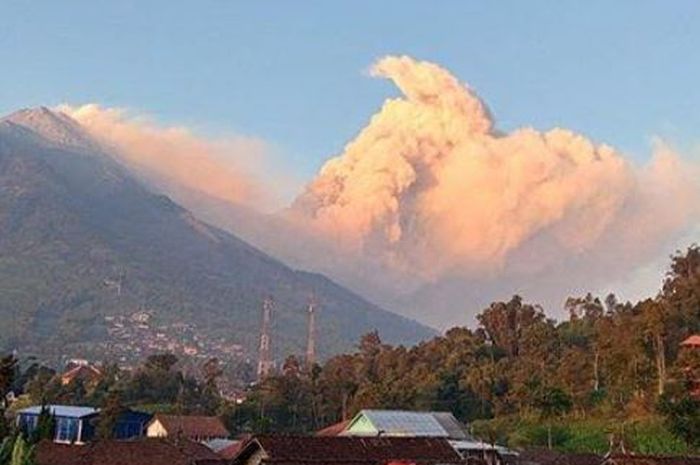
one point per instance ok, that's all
(211, 371)
(155, 381)
(8, 371)
(4, 425)
(339, 380)
(682, 416)
(505, 322)
(14, 450)
(585, 315)
(22, 453)
(109, 415)
(43, 387)
(6, 449)
(654, 319)
(161, 362)
(45, 426)
(553, 403)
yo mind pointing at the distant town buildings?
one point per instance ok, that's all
(135, 336)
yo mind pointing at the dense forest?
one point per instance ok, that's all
(611, 368)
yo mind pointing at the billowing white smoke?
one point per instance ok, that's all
(430, 202)
(430, 189)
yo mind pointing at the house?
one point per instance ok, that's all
(335, 429)
(73, 424)
(77, 425)
(84, 372)
(405, 423)
(219, 445)
(145, 451)
(692, 341)
(131, 424)
(196, 428)
(344, 450)
(689, 357)
(232, 450)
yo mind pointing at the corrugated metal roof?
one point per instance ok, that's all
(475, 444)
(454, 428)
(219, 444)
(71, 411)
(408, 423)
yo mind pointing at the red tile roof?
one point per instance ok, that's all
(334, 429)
(341, 450)
(193, 427)
(692, 341)
(147, 451)
(87, 373)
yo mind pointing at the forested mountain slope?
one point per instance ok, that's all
(83, 242)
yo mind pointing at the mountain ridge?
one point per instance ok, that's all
(70, 223)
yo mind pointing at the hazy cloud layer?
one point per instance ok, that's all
(432, 209)
(175, 158)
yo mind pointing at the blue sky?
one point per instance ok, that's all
(294, 73)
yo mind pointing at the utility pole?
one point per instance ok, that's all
(265, 355)
(311, 334)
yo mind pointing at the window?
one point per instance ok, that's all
(67, 429)
(27, 423)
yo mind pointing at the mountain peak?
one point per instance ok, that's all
(54, 126)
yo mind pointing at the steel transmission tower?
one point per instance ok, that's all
(265, 364)
(311, 335)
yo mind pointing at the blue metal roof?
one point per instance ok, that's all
(70, 411)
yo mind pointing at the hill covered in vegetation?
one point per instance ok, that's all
(83, 242)
(521, 378)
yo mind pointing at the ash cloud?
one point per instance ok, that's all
(430, 209)
(431, 193)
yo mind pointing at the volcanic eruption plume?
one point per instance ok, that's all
(430, 189)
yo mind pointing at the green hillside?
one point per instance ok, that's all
(83, 243)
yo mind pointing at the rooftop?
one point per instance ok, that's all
(192, 426)
(337, 450)
(333, 430)
(407, 423)
(71, 411)
(150, 451)
(692, 341)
